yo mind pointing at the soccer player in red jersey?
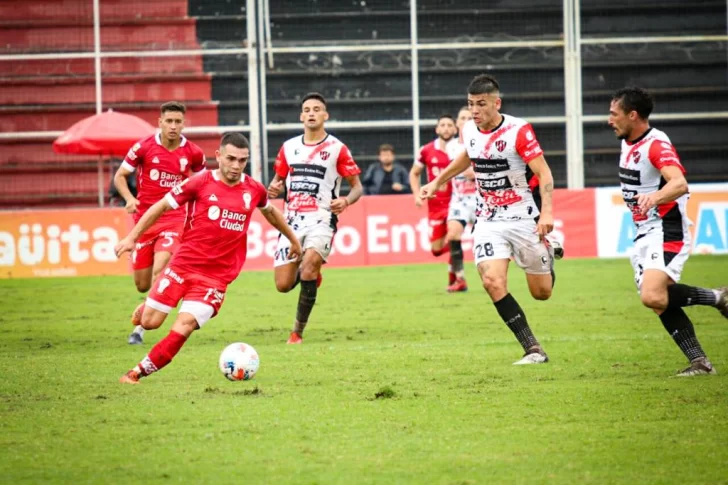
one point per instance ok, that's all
(312, 167)
(213, 251)
(435, 156)
(161, 162)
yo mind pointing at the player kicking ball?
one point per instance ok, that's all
(213, 251)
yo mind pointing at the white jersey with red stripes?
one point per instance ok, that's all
(639, 173)
(313, 175)
(500, 160)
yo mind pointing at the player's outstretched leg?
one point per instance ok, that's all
(679, 295)
(165, 350)
(310, 271)
(493, 274)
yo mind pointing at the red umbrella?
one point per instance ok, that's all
(109, 133)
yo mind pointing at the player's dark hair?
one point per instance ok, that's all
(317, 96)
(483, 84)
(385, 147)
(632, 98)
(173, 106)
(235, 139)
(446, 115)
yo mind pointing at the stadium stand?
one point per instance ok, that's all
(43, 95)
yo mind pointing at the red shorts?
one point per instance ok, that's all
(202, 296)
(165, 236)
(437, 224)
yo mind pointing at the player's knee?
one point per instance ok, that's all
(143, 286)
(283, 286)
(151, 322)
(541, 293)
(653, 299)
(494, 285)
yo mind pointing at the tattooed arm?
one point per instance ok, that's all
(546, 186)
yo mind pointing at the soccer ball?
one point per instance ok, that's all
(239, 362)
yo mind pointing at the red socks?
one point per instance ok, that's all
(162, 353)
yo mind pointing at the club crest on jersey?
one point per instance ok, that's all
(247, 198)
(636, 157)
(324, 155)
(182, 164)
(155, 160)
(500, 145)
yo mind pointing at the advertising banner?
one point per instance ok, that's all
(707, 209)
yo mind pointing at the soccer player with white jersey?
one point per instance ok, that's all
(500, 148)
(463, 206)
(212, 253)
(312, 167)
(160, 161)
(656, 192)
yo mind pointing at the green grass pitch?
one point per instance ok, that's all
(396, 382)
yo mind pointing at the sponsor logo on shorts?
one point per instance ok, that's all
(174, 276)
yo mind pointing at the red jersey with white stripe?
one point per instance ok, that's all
(159, 169)
(216, 240)
(435, 157)
(313, 175)
(500, 159)
(639, 173)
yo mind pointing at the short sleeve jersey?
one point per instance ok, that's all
(639, 173)
(435, 159)
(215, 241)
(158, 170)
(313, 175)
(500, 160)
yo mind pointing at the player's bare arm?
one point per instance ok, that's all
(275, 187)
(457, 166)
(276, 219)
(469, 173)
(675, 187)
(414, 178)
(339, 205)
(546, 186)
(122, 186)
(147, 220)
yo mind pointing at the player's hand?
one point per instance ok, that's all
(295, 252)
(338, 205)
(132, 205)
(418, 201)
(646, 202)
(545, 225)
(428, 191)
(275, 188)
(125, 245)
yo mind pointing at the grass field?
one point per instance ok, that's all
(397, 382)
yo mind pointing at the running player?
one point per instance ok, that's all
(435, 156)
(500, 147)
(656, 192)
(160, 161)
(312, 167)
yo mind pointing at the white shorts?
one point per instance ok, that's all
(506, 239)
(316, 236)
(463, 209)
(652, 252)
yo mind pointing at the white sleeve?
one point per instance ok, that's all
(171, 201)
(128, 166)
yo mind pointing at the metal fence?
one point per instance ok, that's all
(388, 67)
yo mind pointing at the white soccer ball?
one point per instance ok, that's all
(239, 362)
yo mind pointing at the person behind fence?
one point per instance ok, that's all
(388, 176)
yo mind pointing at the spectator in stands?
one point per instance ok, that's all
(387, 176)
